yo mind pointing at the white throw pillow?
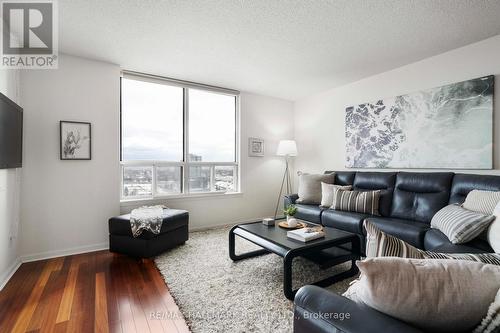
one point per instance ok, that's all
(493, 233)
(482, 201)
(434, 295)
(327, 193)
(310, 187)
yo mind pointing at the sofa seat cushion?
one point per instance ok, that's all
(311, 213)
(436, 241)
(172, 219)
(410, 231)
(348, 221)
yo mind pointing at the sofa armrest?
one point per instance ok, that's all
(290, 199)
(319, 310)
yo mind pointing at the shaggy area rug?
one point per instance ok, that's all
(216, 294)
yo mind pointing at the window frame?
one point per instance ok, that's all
(185, 163)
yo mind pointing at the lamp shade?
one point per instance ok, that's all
(287, 148)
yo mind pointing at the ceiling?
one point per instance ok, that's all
(287, 49)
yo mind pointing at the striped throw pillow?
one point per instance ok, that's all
(460, 225)
(380, 244)
(356, 201)
(487, 258)
(482, 201)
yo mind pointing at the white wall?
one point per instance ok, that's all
(9, 194)
(262, 117)
(66, 204)
(319, 119)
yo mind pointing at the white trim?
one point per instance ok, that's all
(205, 195)
(4, 279)
(175, 82)
(237, 147)
(185, 130)
(64, 253)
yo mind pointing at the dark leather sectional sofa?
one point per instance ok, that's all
(408, 202)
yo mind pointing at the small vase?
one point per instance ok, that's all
(291, 221)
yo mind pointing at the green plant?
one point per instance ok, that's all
(290, 210)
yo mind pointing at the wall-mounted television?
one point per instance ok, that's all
(11, 134)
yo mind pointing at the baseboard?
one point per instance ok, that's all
(10, 272)
(4, 278)
(88, 248)
(65, 252)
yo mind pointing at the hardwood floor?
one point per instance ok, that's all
(92, 292)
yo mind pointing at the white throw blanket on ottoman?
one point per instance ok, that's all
(146, 218)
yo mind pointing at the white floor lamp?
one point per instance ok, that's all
(286, 148)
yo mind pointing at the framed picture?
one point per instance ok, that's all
(448, 127)
(75, 140)
(255, 147)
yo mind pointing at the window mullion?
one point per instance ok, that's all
(153, 181)
(186, 141)
(212, 178)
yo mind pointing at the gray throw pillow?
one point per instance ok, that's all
(433, 295)
(310, 187)
(460, 225)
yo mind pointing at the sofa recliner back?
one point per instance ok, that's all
(419, 196)
(408, 202)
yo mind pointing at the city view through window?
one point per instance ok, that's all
(155, 161)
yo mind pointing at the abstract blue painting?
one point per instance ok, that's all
(449, 127)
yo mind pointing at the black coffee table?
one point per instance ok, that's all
(335, 248)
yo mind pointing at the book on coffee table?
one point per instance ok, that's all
(305, 234)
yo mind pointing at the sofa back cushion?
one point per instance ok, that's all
(343, 177)
(373, 181)
(418, 195)
(463, 183)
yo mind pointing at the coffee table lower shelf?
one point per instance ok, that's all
(326, 253)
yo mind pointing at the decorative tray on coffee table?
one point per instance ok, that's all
(284, 224)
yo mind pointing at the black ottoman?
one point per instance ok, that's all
(174, 231)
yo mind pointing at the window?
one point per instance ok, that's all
(211, 116)
(152, 121)
(177, 138)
